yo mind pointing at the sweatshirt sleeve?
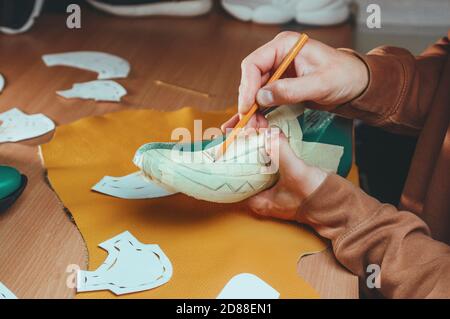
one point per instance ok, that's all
(401, 87)
(364, 231)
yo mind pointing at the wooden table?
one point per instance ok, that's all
(199, 59)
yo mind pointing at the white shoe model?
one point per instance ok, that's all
(322, 12)
(142, 8)
(312, 12)
(262, 11)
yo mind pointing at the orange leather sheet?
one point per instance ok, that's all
(207, 243)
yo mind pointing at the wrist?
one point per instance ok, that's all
(360, 74)
(309, 179)
(362, 81)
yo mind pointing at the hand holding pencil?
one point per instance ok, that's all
(320, 76)
(275, 76)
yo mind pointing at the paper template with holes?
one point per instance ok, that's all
(100, 90)
(5, 293)
(107, 66)
(17, 126)
(132, 186)
(130, 267)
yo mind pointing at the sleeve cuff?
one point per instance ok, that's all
(336, 207)
(385, 91)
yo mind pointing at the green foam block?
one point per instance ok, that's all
(10, 181)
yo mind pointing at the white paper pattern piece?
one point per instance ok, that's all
(99, 90)
(132, 186)
(130, 267)
(248, 286)
(17, 126)
(107, 66)
(2, 83)
(5, 293)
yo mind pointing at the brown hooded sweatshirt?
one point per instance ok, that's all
(406, 95)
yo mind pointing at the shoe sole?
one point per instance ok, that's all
(34, 14)
(182, 9)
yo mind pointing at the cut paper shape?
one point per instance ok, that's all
(17, 126)
(5, 293)
(132, 186)
(2, 83)
(99, 90)
(107, 66)
(248, 286)
(130, 267)
(245, 168)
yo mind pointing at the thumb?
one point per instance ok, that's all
(290, 91)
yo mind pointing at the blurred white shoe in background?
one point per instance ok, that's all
(143, 8)
(312, 12)
(262, 11)
(322, 12)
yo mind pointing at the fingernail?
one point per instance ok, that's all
(265, 97)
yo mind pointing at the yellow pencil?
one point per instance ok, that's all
(278, 73)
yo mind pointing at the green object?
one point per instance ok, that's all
(10, 181)
(324, 127)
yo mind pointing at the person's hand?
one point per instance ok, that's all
(320, 75)
(296, 182)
